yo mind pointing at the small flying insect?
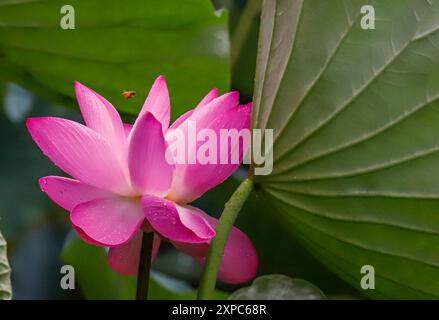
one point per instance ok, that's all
(129, 94)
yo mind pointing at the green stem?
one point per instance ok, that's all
(216, 250)
(144, 266)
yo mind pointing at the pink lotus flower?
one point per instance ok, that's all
(123, 184)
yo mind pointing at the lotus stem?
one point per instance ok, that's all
(216, 250)
(144, 266)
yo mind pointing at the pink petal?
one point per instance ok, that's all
(101, 116)
(150, 171)
(68, 193)
(191, 180)
(158, 102)
(127, 127)
(210, 108)
(125, 258)
(81, 152)
(110, 221)
(182, 119)
(195, 222)
(208, 98)
(213, 94)
(86, 238)
(197, 250)
(174, 222)
(240, 261)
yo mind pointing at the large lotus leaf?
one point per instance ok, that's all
(116, 46)
(289, 258)
(355, 115)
